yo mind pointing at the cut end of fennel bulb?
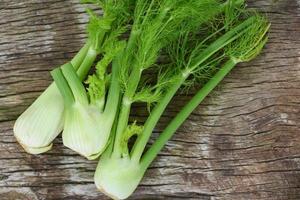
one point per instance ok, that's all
(41, 123)
(118, 177)
(86, 130)
(32, 150)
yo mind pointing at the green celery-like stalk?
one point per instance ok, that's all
(63, 86)
(241, 53)
(74, 83)
(80, 56)
(87, 63)
(169, 131)
(111, 107)
(151, 122)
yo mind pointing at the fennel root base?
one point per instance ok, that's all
(107, 194)
(25, 147)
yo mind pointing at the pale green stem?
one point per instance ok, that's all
(100, 103)
(87, 63)
(79, 57)
(111, 106)
(113, 99)
(150, 155)
(75, 84)
(122, 124)
(151, 122)
(134, 80)
(63, 86)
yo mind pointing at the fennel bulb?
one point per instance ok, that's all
(41, 123)
(86, 126)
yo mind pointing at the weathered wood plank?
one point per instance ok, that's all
(241, 143)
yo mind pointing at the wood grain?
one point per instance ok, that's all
(243, 142)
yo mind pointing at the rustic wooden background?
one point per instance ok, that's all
(243, 142)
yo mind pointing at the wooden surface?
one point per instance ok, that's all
(243, 142)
